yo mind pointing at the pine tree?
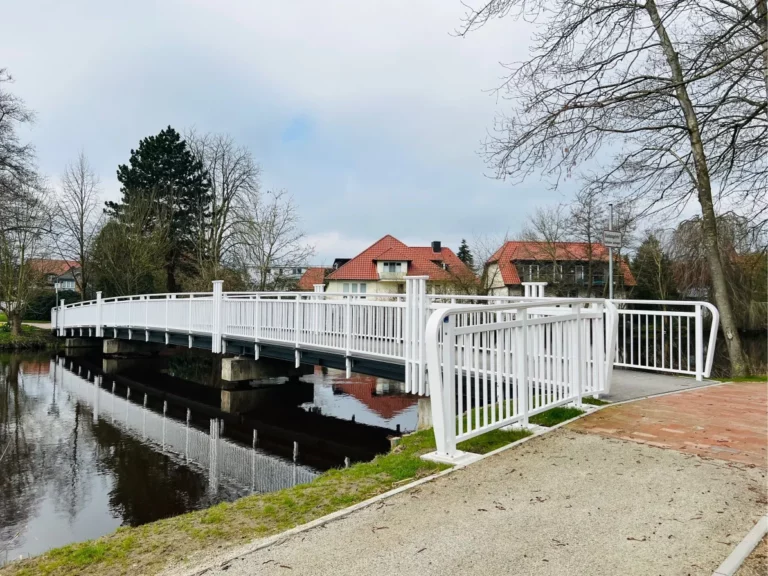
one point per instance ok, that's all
(162, 170)
(465, 255)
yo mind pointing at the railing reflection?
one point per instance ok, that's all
(222, 458)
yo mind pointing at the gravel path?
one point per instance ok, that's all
(566, 503)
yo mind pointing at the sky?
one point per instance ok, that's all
(371, 114)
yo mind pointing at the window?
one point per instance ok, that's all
(533, 272)
(579, 271)
(393, 267)
(354, 287)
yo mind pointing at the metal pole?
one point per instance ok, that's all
(610, 257)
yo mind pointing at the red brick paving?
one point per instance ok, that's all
(727, 422)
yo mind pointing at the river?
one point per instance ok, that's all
(84, 451)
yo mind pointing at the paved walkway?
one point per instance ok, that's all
(726, 422)
(575, 501)
(631, 384)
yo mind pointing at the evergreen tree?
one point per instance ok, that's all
(465, 255)
(163, 171)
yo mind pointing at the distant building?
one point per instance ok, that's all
(287, 272)
(314, 275)
(382, 267)
(565, 266)
(61, 272)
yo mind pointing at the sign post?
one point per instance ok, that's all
(611, 240)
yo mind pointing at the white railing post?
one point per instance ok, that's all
(580, 354)
(522, 353)
(415, 345)
(444, 419)
(256, 327)
(297, 330)
(62, 325)
(217, 317)
(348, 336)
(699, 329)
(99, 329)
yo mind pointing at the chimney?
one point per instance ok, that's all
(436, 247)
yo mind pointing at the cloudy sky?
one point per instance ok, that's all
(371, 114)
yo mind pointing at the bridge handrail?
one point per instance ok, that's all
(509, 364)
(702, 367)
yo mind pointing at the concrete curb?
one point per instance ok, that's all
(743, 549)
(339, 514)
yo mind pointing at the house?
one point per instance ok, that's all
(312, 276)
(382, 267)
(565, 266)
(286, 272)
(61, 272)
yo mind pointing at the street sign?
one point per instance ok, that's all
(611, 239)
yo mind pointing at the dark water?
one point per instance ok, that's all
(80, 455)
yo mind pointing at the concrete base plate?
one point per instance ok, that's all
(459, 458)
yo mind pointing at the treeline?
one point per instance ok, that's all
(191, 210)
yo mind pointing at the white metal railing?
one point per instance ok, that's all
(386, 327)
(671, 339)
(498, 365)
(666, 340)
(246, 466)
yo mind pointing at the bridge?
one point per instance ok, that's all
(487, 361)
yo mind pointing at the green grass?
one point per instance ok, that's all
(594, 401)
(3, 317)
(554, 416)
(492, 440)
(153, 547)
(30, 338)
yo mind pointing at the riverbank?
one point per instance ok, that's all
(150, 548)
(31, 338)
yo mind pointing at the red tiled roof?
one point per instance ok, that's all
(544, 251)
(364, 389)
(421, 262)
(311, 277)
(48, 266)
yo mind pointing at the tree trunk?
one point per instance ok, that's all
(14, 319)
(704, 187)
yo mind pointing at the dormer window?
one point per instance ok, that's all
(393, 267)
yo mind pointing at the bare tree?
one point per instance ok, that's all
(587, 224)
(486, 247)
(23, 233)
(743, 253)
(16, 158)
(78, 219)
(666, 97)
(234, 177)
(272, 236)
(548, 228)
(128, 253)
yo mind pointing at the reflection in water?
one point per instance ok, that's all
(81, 455)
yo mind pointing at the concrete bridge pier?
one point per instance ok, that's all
(82, 342)
(242, 369)
(130, 347)
(424, 413)
(248, 398)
